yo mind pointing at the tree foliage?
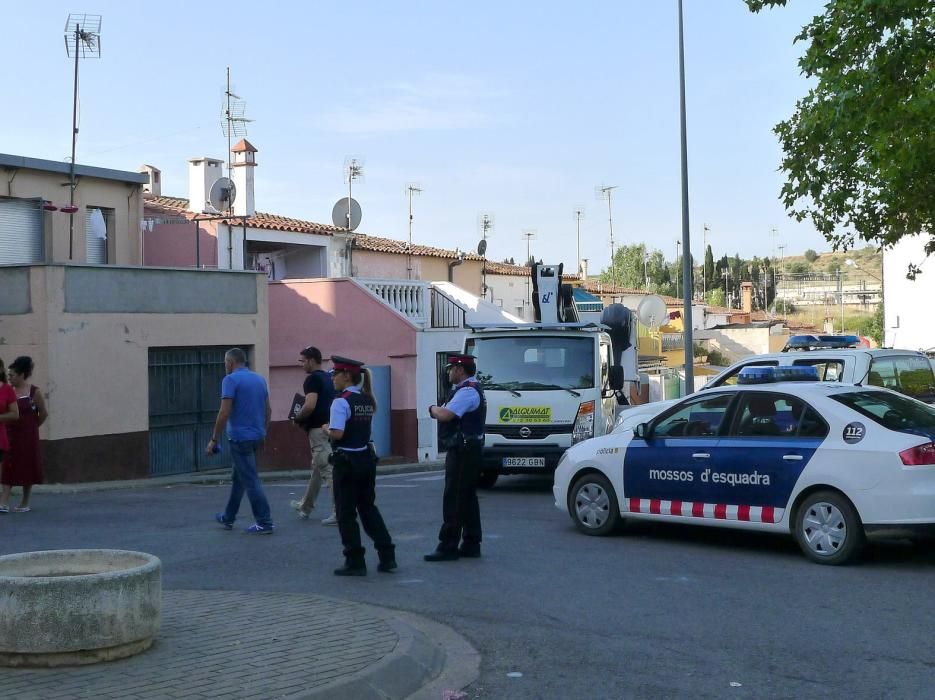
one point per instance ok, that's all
(811, 255)
(859, 150)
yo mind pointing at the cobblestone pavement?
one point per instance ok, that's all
(220, 644)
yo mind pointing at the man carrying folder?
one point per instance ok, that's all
(314, 413)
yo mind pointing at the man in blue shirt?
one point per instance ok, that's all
(245, 414)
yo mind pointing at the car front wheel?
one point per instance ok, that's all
(828, 529)
(592, 504)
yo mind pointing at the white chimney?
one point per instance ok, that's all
(584, 268)
(154, 187)
(244, 163)
(202, 173)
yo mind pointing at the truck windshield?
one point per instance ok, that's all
(533, 362)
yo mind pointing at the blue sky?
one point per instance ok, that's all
(516, 109)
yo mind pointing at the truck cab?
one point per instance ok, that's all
(549, 384)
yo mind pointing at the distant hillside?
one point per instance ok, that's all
(869, 263)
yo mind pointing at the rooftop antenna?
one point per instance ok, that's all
(353, 171)
(233, 121)
(411, 189)
(485, 223)
(606, 192)
(529, 235)
(82, 40)
(579, 215)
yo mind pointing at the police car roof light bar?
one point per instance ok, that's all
(773, 375)
(821, 342)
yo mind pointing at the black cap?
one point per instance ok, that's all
(460, 359)
(345, 364)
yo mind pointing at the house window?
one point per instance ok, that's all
(98, 227)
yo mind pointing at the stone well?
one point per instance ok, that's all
(77, 606)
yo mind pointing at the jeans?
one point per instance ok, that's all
(245, 478)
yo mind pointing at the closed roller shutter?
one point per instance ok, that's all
(20, 231)
(95, 246)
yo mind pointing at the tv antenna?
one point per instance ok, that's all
(82, 40)
(233, 119)
(606, 192)
(411, 189)
(485, 223)
(579, 215)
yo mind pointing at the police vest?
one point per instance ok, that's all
(472, 423)
(357, 429)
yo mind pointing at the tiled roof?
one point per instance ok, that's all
(244, 146)
(388, 245)
(178, 206)
(495, 268)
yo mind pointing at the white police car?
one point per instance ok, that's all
(825, 461)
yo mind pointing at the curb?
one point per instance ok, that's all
(429, 659)
(217, 477)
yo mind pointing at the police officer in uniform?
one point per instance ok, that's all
(463, 418)
(355, 469)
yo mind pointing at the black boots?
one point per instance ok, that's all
(353, 566)
(469, 550)
(442, 554)
(387, 560)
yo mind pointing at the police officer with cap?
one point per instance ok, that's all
(463, 417)
(355, 468)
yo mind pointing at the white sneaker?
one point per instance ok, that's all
(330, 520)
(297, 506)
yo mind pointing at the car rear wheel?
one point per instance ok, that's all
(828, 529)
(487, 479)
(592, 504)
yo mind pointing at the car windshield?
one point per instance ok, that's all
(891, 411)
(532, 362)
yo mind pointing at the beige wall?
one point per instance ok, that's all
(93, 367)
(376, 265)
(737, 343)
(123, 248)
(467, 275)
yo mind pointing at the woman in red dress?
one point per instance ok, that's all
(9, 411)
(23, 465)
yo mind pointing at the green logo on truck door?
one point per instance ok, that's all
(526, 414)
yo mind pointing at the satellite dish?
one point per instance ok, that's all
(339, 214)
(222, 194)
(652, 311)
(482, 247)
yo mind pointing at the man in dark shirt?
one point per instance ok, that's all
(319, 392)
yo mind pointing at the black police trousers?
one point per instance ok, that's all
(460, 510)
(354, 478)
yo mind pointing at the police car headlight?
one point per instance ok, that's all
(584, 423)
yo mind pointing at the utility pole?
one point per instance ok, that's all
(410, 190)
(704, 263)
(726, 276)
(606, 192)
(782, 259)
(579, 212)
(528, 235)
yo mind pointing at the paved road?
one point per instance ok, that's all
(657, 611)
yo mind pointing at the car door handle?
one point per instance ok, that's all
(792, 458)
(701, 455)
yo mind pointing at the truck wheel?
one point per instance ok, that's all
(487, 479)
(593, 506)
(828, 529)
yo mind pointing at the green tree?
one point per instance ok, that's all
(811, 255)
(716, 297)
(709, 269)
(858, 152)
(627, 270)
(874, 327)
(659, 277)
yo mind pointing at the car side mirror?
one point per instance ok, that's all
(616, 378)
(641, 431)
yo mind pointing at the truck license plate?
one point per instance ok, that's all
(524, 461)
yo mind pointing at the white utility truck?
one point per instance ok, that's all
(552, 383)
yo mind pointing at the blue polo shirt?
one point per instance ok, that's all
(248, 415)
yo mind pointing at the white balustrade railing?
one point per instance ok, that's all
(408, 297)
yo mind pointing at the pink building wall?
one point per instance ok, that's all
(338, 317)
(173, 245)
